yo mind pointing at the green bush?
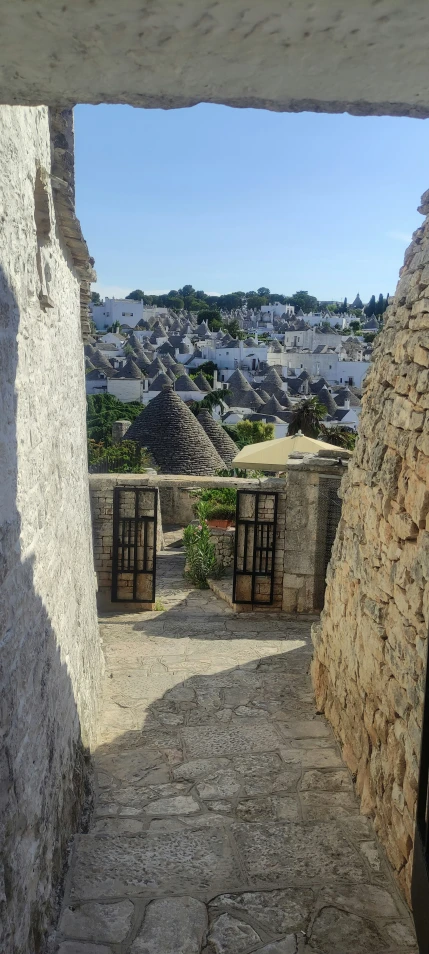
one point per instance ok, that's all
(200, 553)
(102, 410)
(216, 503)
(124, 458)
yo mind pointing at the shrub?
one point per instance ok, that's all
(200, 553)
(124, 458)
(216, 503)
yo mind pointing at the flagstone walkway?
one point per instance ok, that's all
(225, 821)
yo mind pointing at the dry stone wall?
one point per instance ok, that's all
(370, 651)
(50, 656)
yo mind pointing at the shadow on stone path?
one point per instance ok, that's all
(225, 820)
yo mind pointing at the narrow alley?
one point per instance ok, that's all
(225, 821)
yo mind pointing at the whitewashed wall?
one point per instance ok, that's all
(51, 661)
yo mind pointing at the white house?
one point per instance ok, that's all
(332, 320)
(125, 389)
(124, 310)
(328, 365)
(277, 310)
(238, 356)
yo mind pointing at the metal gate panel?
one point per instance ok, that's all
(420, 877)
(255, 547)
(332, 520)
(134, 544)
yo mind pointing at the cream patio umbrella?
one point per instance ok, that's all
(272, 455)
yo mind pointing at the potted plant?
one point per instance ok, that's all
(218, 506)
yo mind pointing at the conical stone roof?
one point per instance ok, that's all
(202, 383)
(272, 381)
(273, 406)
(89, 366)
(326, 398)
(185, 383)
(242, 397)
(102, 363)
(142, 362)
(174, 437)
(262, 394)
(220, 439)
(155, 367)
(237, 381)
(318, 385)
(135, 343)
(283, 399)
(130, 370)
(161, 381)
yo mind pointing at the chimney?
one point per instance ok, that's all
(215, 382)
(119, 429)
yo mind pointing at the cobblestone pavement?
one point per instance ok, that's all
(225, 821)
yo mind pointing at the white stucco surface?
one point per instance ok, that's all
(51, 661)
(369, 56)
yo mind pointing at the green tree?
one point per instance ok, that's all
(371, 307)
(188, 291)
(301, 299)
(252, 432)
(102, 410)
(212, 400)
(339, 437)
(124, 458)
(95, 298)
(306, 417)
(136, 295)
(280, 298)
(174, 302)
(256, 301)
(355, 326)
(264, 292)
(212, 317)
(230, 302)
(207, 368)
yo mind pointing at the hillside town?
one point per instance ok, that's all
(259, 364)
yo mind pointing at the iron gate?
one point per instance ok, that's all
(134, 544)
(420, 878)
(332, 520)
(255, 547)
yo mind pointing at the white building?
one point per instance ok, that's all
(342, 321)
(328, 366)
(124, 310)
(277, 310)
(239, 356)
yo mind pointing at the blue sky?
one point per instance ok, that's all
(231, 199)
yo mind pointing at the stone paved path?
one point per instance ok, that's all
(225, 821)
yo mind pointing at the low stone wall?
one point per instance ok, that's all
(177, 498)
(370, 652)
(223, 542)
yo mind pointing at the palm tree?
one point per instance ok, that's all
(340, 437)
(306, 417)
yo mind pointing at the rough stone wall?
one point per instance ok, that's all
(309, 481)
(370, 652)
(223, 542)
(50, 656)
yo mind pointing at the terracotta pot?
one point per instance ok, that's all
(220, 524)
